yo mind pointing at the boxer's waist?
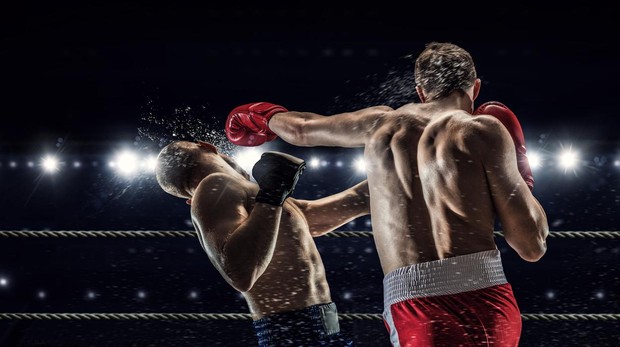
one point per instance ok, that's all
(443, 277)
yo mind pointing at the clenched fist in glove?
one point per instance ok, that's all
(248, 125)
(276, 174)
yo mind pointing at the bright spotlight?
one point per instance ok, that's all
(50, 164)
(568, 159)
(246, 158)
(360, 165)
(534, 160)
(126, 163)
(314, 162)
(150, 163)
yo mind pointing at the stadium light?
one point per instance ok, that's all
(50, 164)
(149, 163)
(246, 158)
(126, 163)
(314, 162)
(568, 159)
(360, 165)
(534, 159)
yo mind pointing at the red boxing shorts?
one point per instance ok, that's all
(459, 301)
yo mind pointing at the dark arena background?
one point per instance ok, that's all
(89, 93)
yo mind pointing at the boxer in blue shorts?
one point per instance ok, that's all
(260, 239)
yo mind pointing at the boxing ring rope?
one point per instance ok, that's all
(247, 316)
(186, 233)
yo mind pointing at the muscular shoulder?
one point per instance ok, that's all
(470, 133)
(483, 133)
(218, 188)
(489, 129)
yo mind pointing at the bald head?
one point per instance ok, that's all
(176, 166)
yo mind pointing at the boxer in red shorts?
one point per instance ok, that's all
(439, 173)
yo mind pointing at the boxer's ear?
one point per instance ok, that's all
(207, 145)
(420, 92)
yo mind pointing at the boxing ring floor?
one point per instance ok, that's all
(157, 288)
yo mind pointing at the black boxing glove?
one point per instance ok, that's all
(276, 174)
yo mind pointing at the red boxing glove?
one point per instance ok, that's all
(248, 125)
(510, 121)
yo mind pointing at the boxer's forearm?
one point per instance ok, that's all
(540, 233)
(327, 214)
(248, 251)
(305, 129)
(527, 232)
(308, 129)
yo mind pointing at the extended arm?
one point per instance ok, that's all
(523, 219)
(328, 213)
(349, 129)
(256, 123)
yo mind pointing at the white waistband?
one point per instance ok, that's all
(442, 277)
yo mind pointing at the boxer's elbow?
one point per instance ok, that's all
(533, 254)
(533, 250)
(538, 244)
(242, 282)
(243, 286)
(240, 276)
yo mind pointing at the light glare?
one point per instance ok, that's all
(568, 159)
(126, 163)
(150, 163)
(534, 160)
(360, 165)
(246, 158)
(314, 162)
(50, 164)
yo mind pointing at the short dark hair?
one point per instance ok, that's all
(442, 68)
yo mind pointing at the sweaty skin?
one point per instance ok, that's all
(464, 190)
(267, 252)
(470, 175)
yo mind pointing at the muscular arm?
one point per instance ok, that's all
(307, 129)
(239, 244)
(328, 213)
(523, 219)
